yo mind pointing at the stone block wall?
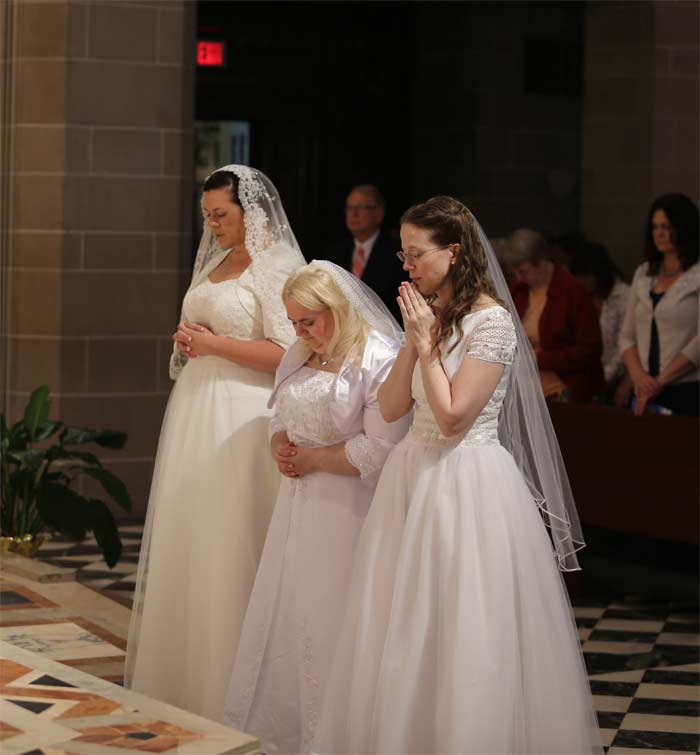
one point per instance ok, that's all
(99, 238)
(640, 116)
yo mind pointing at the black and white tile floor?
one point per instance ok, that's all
(643, 659)
(117, 583)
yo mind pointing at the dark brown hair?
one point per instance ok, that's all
(450, 222)
(682, 214)
(223, 179)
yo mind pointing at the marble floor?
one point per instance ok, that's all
(643, 659)
(62, 650)
(53, 709)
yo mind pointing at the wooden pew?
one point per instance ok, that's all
(629, 474)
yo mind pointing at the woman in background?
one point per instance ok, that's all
(659, 337)
(559, 319)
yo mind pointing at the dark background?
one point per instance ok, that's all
(479, 100)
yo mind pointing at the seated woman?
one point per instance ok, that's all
(330, 442)
(659, 338)
(601, 276)
(559, 318)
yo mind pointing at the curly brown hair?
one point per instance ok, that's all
(450, 222)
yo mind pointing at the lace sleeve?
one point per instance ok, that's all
(367, 451)
(270, 274)
(492, 339)
(177, 362)
(276, 426)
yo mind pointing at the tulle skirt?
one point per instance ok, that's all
(458, 635)
(295, 610)
(212, 495)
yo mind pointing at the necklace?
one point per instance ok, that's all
(665, 274)
(323, 362)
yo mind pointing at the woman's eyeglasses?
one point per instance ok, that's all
(412, 257)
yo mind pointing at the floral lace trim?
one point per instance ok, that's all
(276, 426)
(269, 276)
(362, 453)
(177, 363)
(433, 437)
(493, 340)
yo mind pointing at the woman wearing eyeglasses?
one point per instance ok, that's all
(457, 635)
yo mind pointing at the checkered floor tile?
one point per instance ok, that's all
(91, 570)
(643, 659)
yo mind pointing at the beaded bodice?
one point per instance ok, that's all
(226, 308)
(303, 406)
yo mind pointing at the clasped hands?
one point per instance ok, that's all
(645, 388)
(194, 340)
(295, 461)
(418, 317)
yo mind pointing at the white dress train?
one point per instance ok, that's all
(212, 495)
(296, 606)
(458, 635)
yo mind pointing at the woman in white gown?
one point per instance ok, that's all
(329, 441)
(458, 635)
(214, 485)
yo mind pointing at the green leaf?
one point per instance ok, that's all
(58, 452)
(18, 436)
(47, 428)
(101, 522)
(37, 410)
(55, 476)
(73, 515)
(63, 509)
(112, 485)
(31, 458)
(79, 435)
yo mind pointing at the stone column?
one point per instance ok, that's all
(100, 119)
(640, 116)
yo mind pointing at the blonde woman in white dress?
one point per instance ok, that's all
(214, 485)
(329, 441)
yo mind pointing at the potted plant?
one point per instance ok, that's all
(38, 476)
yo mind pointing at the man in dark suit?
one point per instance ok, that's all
(368, 251)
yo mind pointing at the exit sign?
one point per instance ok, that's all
(211, 54)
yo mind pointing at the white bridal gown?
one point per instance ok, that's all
(212, 495)
(296, 606)
(458, 635)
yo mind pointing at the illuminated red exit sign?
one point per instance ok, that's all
(211, 54)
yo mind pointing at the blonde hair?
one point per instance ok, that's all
(315, 289)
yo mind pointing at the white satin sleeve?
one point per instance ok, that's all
(368, 450)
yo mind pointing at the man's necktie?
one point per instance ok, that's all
(358, 261)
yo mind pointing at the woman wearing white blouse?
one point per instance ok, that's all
(659, 337)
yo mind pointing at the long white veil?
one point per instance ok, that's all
(525, 429)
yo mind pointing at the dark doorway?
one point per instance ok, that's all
(327, 90)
